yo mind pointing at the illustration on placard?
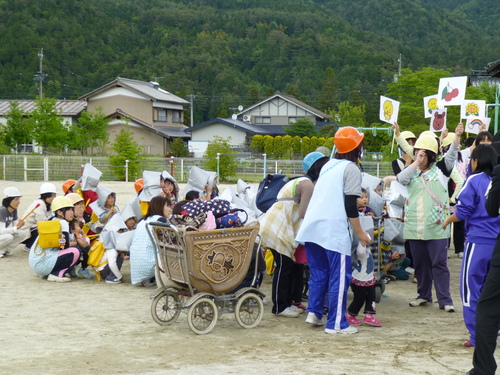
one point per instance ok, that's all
(476, 125)
(438, 120)
(430, 105)
(473, 109)
(451, 91)
(389, 110)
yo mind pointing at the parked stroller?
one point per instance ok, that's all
(200, 272)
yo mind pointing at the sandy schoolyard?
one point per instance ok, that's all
(86, 327)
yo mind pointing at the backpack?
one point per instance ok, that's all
(49, 233)
(269, 188)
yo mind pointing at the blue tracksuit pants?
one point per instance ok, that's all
(475, 268)
(330, 277)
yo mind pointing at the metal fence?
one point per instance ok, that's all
(60, 168)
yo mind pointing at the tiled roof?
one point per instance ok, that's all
(67, 107)
(149, 89)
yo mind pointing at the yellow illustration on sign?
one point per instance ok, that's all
(388, 109)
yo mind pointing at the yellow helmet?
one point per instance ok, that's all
(448, 139)
(408, 135)
(60, 203)
(427, 142)
(428, 132)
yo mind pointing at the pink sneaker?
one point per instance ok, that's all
(352, 319)
(370, 320)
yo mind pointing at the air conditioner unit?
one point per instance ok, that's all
(247, 118)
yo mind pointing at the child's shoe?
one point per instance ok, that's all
(352, 319)
(370, 320)
(84, 273)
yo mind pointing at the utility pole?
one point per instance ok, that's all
(40, 75)
(191, 97)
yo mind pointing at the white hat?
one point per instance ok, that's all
(48, 188)
(11, 192)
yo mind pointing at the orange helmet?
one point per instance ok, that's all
(347, 139)
(139, 185)
(68, 185)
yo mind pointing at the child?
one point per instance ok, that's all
(363, 204)
(104, 208)
(363, 287)
(110, 236)
(78, 239)
(481, 233)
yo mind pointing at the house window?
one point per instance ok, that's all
(291, 120)
(262, 120)
(162, 115)
(176, 116)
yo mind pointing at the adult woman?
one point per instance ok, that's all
(42, 212)
(482, 231)
(55, 262)
(325, 232)
(142, 256)
(11, 234)
(425, 210)
(278, 229)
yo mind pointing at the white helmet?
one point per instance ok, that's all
(48, 188)
(11, 192)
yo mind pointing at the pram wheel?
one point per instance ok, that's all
(165, 308)
(249, 310)
(202, 316)
(379, 290)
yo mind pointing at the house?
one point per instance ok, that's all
(490, 74)
(70, 110)
(154, 115)
(268, 117)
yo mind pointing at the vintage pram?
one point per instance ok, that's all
(199, 272)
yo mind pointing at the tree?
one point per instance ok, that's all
(90, 131)
(49, 131)
(18, 130)
(125, 148)
(301, 127)
(328, 95)
(227, 157)
(178, 148)
(257, 144)
(410, 89)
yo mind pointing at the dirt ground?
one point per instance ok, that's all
(86, 327)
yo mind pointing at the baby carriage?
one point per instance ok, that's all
(200, 272)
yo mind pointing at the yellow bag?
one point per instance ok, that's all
(95, 254)
(144, 207)
(49, 233)
(269, 258)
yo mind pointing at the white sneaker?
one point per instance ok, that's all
(313, 319)
(295, 308)
(449, 308)
(58, 279)
(346, 331)
(460, 255)
(410, 270)
(418, 302)
(289, 313)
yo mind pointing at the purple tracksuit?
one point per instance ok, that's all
(481, 233)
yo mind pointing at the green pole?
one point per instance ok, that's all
(496, 107)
